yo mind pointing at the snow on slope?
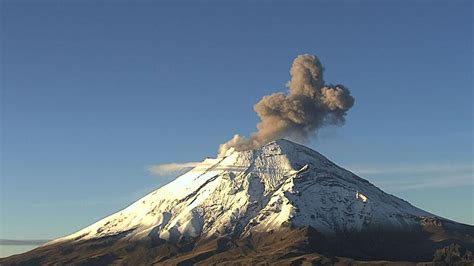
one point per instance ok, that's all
(259, 190)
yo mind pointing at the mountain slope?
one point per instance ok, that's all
(249, 200)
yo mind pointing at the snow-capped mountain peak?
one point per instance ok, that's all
(277, 185)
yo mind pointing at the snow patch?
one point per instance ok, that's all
(361, 197)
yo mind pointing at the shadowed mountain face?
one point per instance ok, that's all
(281, 203)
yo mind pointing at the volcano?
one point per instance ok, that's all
(281, 203)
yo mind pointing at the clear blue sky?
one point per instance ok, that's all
(93, 93)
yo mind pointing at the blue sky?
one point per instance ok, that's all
(95, 92)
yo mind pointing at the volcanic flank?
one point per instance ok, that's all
(282, 202)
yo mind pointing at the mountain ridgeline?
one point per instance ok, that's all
(282, 203)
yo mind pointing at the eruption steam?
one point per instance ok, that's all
(309, 105)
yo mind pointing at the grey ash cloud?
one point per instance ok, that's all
(310, 104)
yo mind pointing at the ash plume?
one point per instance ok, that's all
(309, 105)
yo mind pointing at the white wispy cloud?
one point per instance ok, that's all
(171, 168)
(404, 177)
(412, 168)
(404, 184)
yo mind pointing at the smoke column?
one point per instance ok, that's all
(309, 105)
